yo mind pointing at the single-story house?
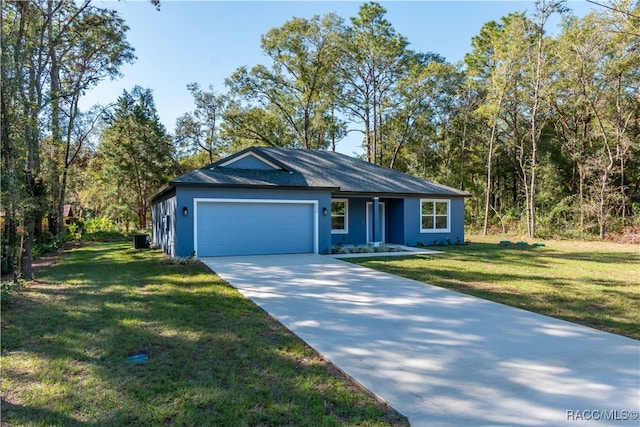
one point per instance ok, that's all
(266, 200)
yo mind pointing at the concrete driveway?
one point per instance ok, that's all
(440, 357)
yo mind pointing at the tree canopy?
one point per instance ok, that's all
(53, 51)
(135, 158)
(542, 127)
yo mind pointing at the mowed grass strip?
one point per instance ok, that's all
(214, 358)
(592, 283)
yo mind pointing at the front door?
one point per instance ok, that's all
(380, 229)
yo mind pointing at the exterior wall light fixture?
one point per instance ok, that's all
(185, 211)
(325, 212)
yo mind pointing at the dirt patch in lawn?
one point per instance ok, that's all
(41, 264)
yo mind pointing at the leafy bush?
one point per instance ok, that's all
(8, 253)
(98, 225)
(106, 236)
(630, 234)
(75, 230)
(368, 249)
(7, 290)
(102, 230)
(446, 242)
(186, 261)
(47, 243)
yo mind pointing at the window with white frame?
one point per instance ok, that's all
(435, 216)
(339, 216)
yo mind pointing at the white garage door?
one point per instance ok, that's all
(227, 227)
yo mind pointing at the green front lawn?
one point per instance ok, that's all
(214, 358)
(593, 283)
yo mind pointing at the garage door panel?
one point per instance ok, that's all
(254, 228)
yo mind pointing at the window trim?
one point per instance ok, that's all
(346, 217)
(434, 216)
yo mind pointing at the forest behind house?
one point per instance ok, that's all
(540, 124)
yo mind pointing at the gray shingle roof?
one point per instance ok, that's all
(315, 169)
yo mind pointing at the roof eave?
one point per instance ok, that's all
(399, 194)
(163, 192)
(252, 186)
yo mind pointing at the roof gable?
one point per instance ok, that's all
(248, 160)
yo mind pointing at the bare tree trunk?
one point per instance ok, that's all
(532, 191)
(621, 149)
(28, 232)
(535, 134)
(380, 144)
(525, 182)
(396, 149)
(492, 139)
(367, 135)
(489, 178)
(55, 219)
(606, 171)
(463, 149)
(545, 10)
(10, 232)
(333, 132)
(61, 198)
(582, 175)
(375, 124)
(602, 212)
(32, 165)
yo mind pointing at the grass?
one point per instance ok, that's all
(592, 283)
(214, 358)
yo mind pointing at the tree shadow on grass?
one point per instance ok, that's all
(213, 356)
(14, 412)
(508, 276)
(603, 257)
(537, 256)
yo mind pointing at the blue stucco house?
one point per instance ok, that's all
(266, 200)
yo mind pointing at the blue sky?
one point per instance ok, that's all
(205, 41)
